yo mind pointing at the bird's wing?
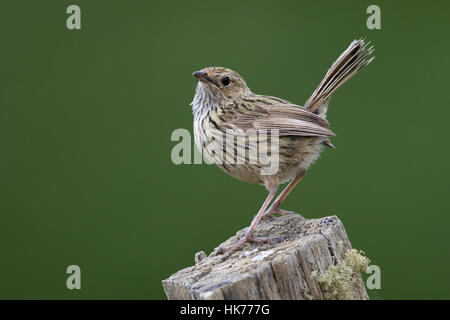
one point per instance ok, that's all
(269, 113)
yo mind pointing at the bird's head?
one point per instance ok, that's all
(223, 83)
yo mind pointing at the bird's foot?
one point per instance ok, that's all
(247, 238)
(271, 211)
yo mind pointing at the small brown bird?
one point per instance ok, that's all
(226, 110)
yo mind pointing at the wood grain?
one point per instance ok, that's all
(286, 269)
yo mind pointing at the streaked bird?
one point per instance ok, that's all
(224, 106)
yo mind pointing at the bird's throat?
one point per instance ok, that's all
(204, 100)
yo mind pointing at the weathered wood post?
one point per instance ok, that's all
(313, 261)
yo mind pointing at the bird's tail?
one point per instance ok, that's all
(353, 59)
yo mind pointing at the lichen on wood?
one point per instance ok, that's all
(338, 280)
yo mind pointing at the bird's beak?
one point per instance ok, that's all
(201, 75)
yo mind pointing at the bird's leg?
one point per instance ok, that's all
(275, 207)
(248, 237)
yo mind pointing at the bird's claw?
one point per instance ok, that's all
(247, 238)
(271, 211)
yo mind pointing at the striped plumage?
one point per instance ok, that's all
(300, 141)
(224, 102)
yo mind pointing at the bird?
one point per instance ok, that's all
(226, 112)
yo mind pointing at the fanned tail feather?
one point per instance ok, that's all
(353, 59)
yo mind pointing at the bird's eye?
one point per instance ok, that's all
(226, 81)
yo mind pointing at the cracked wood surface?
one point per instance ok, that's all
(281, 270)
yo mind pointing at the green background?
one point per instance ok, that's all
(86, 118)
